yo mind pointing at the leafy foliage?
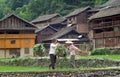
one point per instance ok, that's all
(104, 51)
(61, 50)
(30, 9)
(39, 48)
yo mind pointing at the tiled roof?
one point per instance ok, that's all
(30, 27)
(106, 13)
(111, 3)
(61, 32)
(58, 20)
(78, 11)
(43, 27)
(44, 17)
(12, 14)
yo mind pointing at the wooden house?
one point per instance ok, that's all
(45, 19)
(80, 17)
(16, 37)
(59, 23)
(106, 27)
(44, 32)
(50, 29)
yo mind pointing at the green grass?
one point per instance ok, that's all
(20, 69)
(111, 57)
(37, 69)
(41, 69)
(32, 69)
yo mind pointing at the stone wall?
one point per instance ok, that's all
(85, 73)
(62, 62)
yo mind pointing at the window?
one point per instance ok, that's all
(13, 41)
(12, 32)
(116, 29)
(1, 32)
(119, 39)
(26, 51)
(27, 41)
(100, 41)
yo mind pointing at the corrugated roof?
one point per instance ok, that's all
(44, 17)
(77, 11)
(106, 13)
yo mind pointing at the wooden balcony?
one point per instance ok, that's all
(116, 23)
(97, 26)
(106, 34)
(117, 33)
(109, 34)
(17, 35)
(98, 35)
(105, 24)
(102, 25)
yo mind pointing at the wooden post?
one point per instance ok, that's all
(5, 53)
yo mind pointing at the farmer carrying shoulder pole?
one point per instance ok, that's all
(53, 46)
(71, 49)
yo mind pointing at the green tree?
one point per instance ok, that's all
(30, 9)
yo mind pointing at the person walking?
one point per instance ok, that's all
(72, 49)
(53, 46)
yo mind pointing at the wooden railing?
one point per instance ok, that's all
(17, 35)
(117, 33)
(98, 35)
(110, 23)
(109, 34)
(106, 34)
(116, 23)
(106, 24)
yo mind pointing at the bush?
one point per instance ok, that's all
(104, 51)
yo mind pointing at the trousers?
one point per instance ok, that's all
(53, 61)
(72, 61)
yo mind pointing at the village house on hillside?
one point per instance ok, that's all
(17, 37)
(80, 17)
(44, 32)
(45, 19)
(57, 27)
(106, 27)
(59, 23)
(50, 29)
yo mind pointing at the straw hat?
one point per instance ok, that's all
(69, 42)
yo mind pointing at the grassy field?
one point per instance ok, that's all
(39, 69)
(30, 68)
(111, 57)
